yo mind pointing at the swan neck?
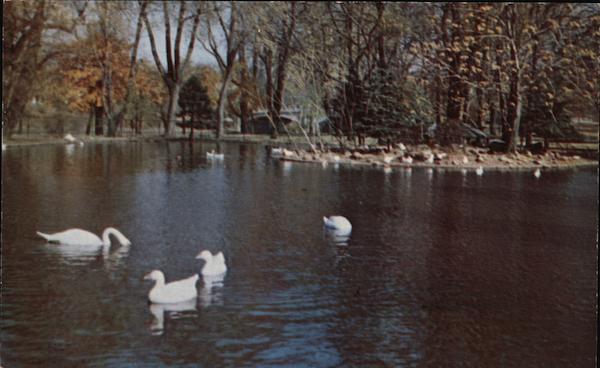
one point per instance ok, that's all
(112, 231)
(106, 237)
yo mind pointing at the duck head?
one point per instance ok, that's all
(155, 276)
(205, 255)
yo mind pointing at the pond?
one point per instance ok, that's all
(443, 268)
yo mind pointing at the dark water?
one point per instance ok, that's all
(442, 269)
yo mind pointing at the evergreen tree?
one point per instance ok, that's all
(195, 105)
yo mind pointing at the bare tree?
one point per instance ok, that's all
(172, 76)
(231, 43)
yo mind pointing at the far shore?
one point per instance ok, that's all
(297, 150)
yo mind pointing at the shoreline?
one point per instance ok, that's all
(455, 157)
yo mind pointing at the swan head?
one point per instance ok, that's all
(155, 275)
(205, 255)
(120, 237)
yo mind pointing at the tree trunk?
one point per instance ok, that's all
(221, 102)
(514, 113)
(88, 128)
(492, 119)
(268, 61)
(99, 120)
(244, 111)
(169, 121)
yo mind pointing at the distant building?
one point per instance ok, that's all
(260, 124)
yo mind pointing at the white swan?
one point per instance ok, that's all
(214, 264)
(479, 170)
(173, 292)
(85, 238)
(339, 224)
(537, 173)
(216, 156)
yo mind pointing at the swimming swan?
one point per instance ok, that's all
(85, 238)
(214, 264)
(339, 224)
(217, 156)
(173, 292)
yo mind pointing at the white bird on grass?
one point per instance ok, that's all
(85, 238)
(214, 264)
(173, 292)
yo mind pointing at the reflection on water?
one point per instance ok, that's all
(173, 310)
(337, 237)
(211, 291)
(81, 254)
(440, 270)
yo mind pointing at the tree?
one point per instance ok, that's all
(232, 41)
(26, 51)
(195, 104)
(172, 76)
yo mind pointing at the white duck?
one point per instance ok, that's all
(277, 151)
(537, 173)
(339, 224)
(214, 264)
(216, 156)
(71, 139)
(85, 238)
(173, 292)
(479, 170)
(407, 160)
